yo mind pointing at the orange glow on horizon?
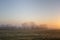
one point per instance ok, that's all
(37, 22)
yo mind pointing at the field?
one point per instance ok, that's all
(29, 35)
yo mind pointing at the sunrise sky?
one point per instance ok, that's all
(38, 11)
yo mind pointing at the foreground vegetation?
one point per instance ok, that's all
(29, 35)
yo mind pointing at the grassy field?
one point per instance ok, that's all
(29, 35)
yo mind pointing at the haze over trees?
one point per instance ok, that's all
(24, 26)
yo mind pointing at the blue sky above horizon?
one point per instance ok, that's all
(40, 11)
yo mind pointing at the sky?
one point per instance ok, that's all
(38, 11)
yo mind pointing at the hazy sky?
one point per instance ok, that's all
(39, 11)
